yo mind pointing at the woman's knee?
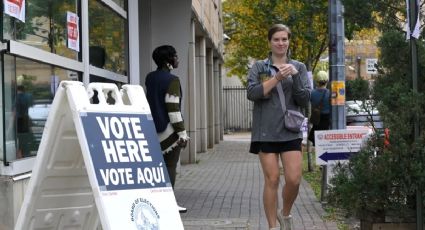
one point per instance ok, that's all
(293, 181)
(272, 180)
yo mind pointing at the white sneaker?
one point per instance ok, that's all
(181, 209)
(285, 221)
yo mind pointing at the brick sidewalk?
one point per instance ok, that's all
(224, 191)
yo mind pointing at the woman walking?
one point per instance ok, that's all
(274, 143)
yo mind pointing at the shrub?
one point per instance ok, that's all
(380, 181)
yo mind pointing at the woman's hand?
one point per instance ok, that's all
(182, 143)
(284, 71)
(293, 69)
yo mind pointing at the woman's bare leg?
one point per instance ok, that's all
(292, 164)
(270, 165)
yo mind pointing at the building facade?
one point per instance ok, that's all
(100, 41)
(358, 53)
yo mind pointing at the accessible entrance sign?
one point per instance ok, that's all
(99, 164)
(338, 145)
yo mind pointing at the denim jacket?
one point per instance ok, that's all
(267, 121)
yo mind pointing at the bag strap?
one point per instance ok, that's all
(321, 100)
(281, 96)
(279, 89)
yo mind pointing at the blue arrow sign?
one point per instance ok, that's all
(335, 156)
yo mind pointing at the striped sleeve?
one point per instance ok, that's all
(172, 103)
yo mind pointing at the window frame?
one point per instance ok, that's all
(115, 7)
(22, 50)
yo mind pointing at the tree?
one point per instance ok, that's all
(247, 22)
(393, 172)
(357, 89)
(398, 104)
(382, 14)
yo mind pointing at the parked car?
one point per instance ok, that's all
(38, 114)
(362, 114)
(39, 111)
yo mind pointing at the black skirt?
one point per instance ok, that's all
(275, 147)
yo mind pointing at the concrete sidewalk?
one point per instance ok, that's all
(224, 191)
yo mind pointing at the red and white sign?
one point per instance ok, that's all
(340, 144)
(15, 8)
(72, 24)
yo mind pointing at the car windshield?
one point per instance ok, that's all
(357, 107)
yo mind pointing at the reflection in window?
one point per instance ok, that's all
(29, 92)
(120, 3)
(107, 35)
(45, 26)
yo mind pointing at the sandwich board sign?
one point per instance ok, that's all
(338, 144)
(99, 164)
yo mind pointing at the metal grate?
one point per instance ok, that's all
(237, 109)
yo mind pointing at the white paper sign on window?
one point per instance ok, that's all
(15, 8)
(72, 24)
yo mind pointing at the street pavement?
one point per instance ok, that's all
(223, 190)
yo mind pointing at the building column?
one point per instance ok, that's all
(210, 97)
(220, 99)
(188, 156)
(201, 94)
(217, 104)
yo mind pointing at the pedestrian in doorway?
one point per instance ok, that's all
(24, 101)
(164, 95)
(320, 105)
(270, 139)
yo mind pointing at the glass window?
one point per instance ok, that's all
(29, 91)
(44, 27)
(108, 41)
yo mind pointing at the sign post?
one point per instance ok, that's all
(99, 164)
(336, 76)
